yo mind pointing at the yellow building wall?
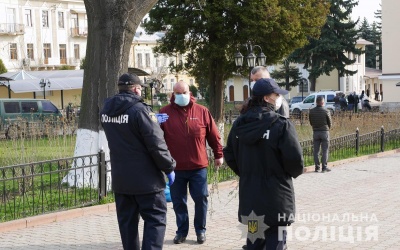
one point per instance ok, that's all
(325, 82)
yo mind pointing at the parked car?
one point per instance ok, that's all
(310, 102)
(18, 114)
(296, 99)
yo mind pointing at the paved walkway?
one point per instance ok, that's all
(356, 206)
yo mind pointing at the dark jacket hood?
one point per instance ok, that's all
(119, 103)
(252, 125)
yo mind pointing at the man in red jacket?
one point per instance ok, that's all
(186, 131)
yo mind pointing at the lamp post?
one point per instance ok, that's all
(302, 82)
(251, 59)
(152, 84)
(43, 83)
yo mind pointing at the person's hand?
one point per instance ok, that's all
(162, 117)
(171, 178)
(218, 162)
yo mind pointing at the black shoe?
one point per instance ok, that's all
(201, 238)
(326, 170)
(316, 170)
(244, 247)
(179, 239)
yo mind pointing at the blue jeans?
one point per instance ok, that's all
(197, 180)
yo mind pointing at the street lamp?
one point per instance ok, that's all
(43, 83)
(153, 84)
(251, 59)
(302, 82)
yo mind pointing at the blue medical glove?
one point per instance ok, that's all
(162, 118)
(171, 178)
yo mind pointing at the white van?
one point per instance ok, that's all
(310, 102)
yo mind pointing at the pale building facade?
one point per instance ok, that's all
(390, 77)
(51, 35)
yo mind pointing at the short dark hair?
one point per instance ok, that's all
(320, 99)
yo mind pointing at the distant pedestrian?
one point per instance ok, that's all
(139, 156)
(376, 95)
(343, 103)
(337, 102)
(350, 102)
(356, 101)
(321, 122)
(365, 101)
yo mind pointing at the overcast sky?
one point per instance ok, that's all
(366, 8)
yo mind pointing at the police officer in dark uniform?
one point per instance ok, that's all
(139, 156)
(264, 151)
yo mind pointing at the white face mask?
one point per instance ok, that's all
(182, 99)
(278, 102)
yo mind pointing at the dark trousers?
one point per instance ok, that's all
(272, 241)
(197, 180)
(321, 140)
(152, 208)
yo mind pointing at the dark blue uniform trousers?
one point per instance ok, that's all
(198, 188)
(152, 208)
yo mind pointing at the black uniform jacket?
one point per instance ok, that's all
(138, 150)
(264, 151)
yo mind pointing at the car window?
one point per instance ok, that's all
(309, 99)
(49, 107)
(29, 107)
(329, 98)
(11, 107)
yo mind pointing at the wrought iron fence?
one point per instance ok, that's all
(62, 184)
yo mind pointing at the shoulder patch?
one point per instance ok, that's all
(153, 117)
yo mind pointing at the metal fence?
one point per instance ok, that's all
(62, 184)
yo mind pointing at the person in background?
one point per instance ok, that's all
(264, 151)
(376, 95)
(356, 101)
(321, 123)
(350, 100)
(365, 101)
(189, 127)
(139, 156)
(259, 72)
(343, 103)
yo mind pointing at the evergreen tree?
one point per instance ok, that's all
(330, 51)
(370, 51)
(287, 76)
(211, 31)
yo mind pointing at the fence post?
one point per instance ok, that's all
(357, 141)
(102, 175)
(382, 139)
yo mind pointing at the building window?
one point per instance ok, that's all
(29, 51)
(45, 18)
(28, 18)
(147, 60)
(60, 19)
(76, 51)
(13, 51)
(63, 54)
(46, 52)
(140, 60)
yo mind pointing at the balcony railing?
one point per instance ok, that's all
(79, 32)
(12, 29)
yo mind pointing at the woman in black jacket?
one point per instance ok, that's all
(264, 151)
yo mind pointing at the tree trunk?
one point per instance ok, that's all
(111, 27)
